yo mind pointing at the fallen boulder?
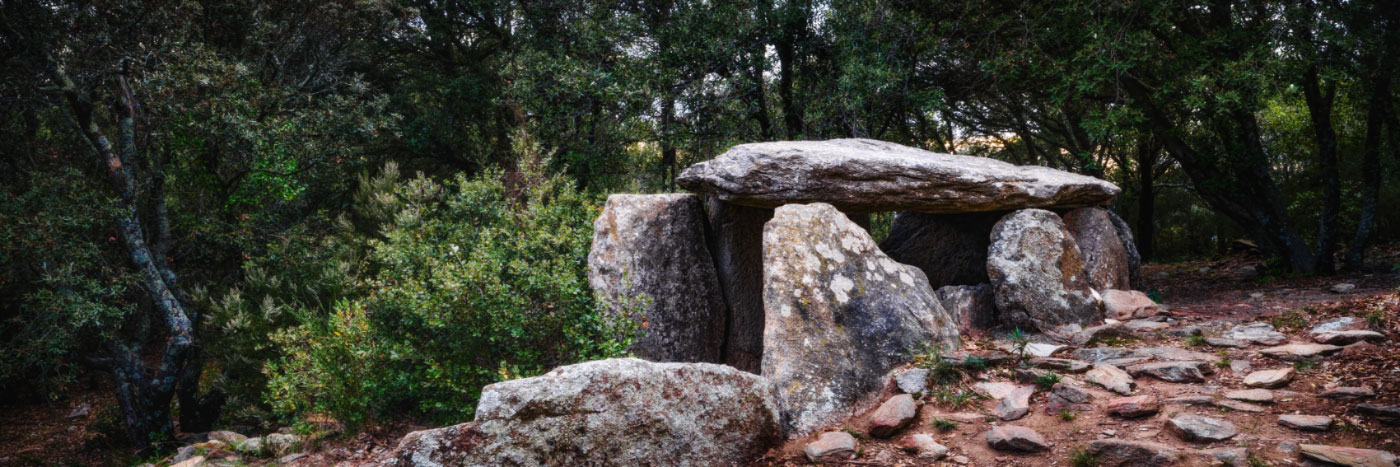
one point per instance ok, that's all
(617, 412)
(840, 315)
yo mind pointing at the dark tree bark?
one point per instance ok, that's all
(1319, 103)
(143, 395)
(757, 98)
(1146, 229)
(793, 26)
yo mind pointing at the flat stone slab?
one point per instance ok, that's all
(1175, 372)
(1348, 456)
(1257, 332)
(1347, 393)
(1269, 379)
(896, 413)
(1201, 429)
(1300, 351)
(1111, 378)
(1257, 396)
(1306, 422)
(830, 447)
(1061, 364)
(1016, 438)
(1015, 405)
(1348, 337)
(863, 175)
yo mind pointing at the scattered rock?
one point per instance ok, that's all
(281, 444)
(994, 389)
(290, 458)
(1342, 288)
(191, 462)
(1355, 457)
(1344, 323)
(840, 315)
(951, 249)
(1134, 406)
(1176, 372)
(1144, 325)
(1105, 257)
(972, 306)
(80, 411)
(1258, 396)
(1201, 429)
(1306, 422)
(862, 175)
(1240, 366)
(1123, 453)
(1239, 406)
(227, 437)
(1061, 364)
(1359, 350)
(1347, 337)
(1099, 354)
(912, 381)
(636, 412)
(1037, 273)
(250, 447)
(923, 446)
(1128, 304)
(1101, 332)
(1015, 438)
(1223, 342)
(1256, 332)
(1286, 447)
(832, 446)
(1388, 414)
(1016, 404)
(1226, 456)
(1174, 354)
(1347, 393)
(1036, 349)
(1293, 352)
(1111, 378)
(893, 415)
(653, 247)
(1064, 396)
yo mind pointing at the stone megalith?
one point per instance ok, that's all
(1037, 273)
(973, 306)
(610, 412)
(840, 315)
(863, 175)
(951, 249)
(736, 242)
(1105, 257)
(650, 251)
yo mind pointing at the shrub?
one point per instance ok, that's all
(475, 281)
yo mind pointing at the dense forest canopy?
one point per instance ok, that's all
(260, 211)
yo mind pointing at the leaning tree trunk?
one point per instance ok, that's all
(1146, 231)
(143, 395)
(1319, 103)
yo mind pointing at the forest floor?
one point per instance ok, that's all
(1204, 292)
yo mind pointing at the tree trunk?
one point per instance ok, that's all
(1147, 166)
(793, 21)
(758, 100)
(1320, 110)
(668, 149)
(1370, 170)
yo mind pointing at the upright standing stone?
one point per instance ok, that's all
(840, 315)
(1105, 257)
(651, 248)
(1125, 235)
(1037, 273)
(972, 306)
(951, 249)
(736, 241)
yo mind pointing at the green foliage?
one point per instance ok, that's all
(1047, 380)
(475, 281)
(1019, 341)
(1068, 415)
(943, 424)
(1081, 457)
(1195, 340)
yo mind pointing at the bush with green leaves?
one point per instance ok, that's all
(474, 280)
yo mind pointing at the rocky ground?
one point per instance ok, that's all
(1212, 384)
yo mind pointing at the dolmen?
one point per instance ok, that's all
(764, 279)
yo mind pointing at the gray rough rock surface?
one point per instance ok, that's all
(1175, 372)
(1201, 429)
(972, 306)
(912, 381)
(831, 446)
(951, 249)
(1016, 438)
(896, 413)
(924, 446)
(1356, 457)
(1269, 379)
(1111, 378)
(1347, 337)
(1016, 404)
(1037, 273)
(1124, 305)
(862, 175)
(1348, 393)
(614, 412)
(1125, 235)
(1257, 332)
(1134, 406)
(1294, 352)
(736, 243)
(839, 315)
(1105, 258)
(1123, 453)
(1306, 422)
(653, 246)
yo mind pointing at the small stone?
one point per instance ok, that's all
(1174, 354)
(1125, 305)
(1239, 406)
(1061, 364)
(1259, 396)
(1286, 447)
(1293, 352)
(1347, 337)
(1134, 406)
(290, 458)
(994, 389)
(1065, 396)
(1269, 379)
(1036, 349)
(1227, 456)
(894, 414)
(1345, 323)
(1386, 413)
(1016, 438)
(912, 381)
(1306, 422)
(924, 446)
(1192, 400)
(1176, 372)
(1161, 275)
(1348, 456)
(1347, 393)
(1099, 354)
(250, 446)
(1111, 378)
(1016, 404)
(1146, 325)
(1201, 429)
(1256, 332)
(1122, 453)
(1241, 366)
(960, 460)
(80, 411)
(282, 444)
(1094, 334)
(191, 462)
(227, 437)
(1343, 288)
(831, 446)
(1223, 342)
